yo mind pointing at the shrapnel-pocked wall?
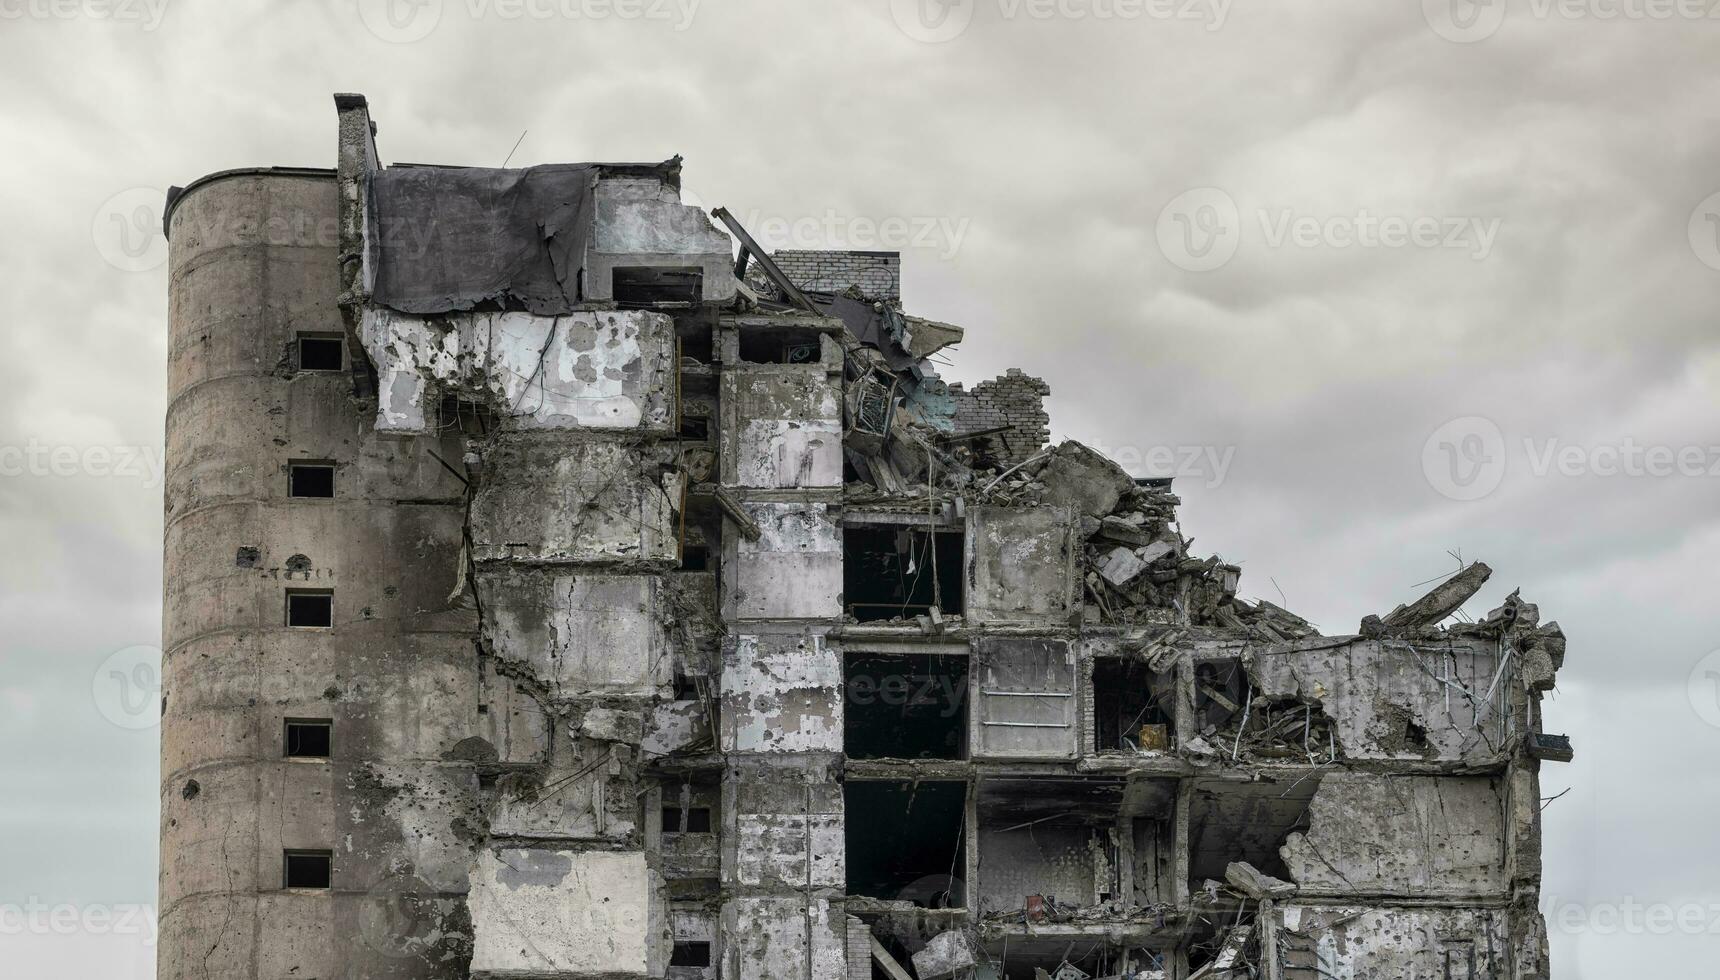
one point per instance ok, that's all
(558, 586)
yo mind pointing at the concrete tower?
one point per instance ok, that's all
(552, 592)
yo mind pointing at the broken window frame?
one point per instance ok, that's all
(950, 539)
(1161, 692)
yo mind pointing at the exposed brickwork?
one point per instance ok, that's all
(859, 950)
(877, 274)
(1015, 400)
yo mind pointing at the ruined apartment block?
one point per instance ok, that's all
(559, 586)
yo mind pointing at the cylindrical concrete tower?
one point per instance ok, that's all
(319, 786)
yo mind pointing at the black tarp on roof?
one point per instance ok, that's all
(452, 238)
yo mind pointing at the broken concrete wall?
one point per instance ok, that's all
(549, 500)
(541, 912)
(778, 938)
(1408, 836)
(1040, 859)
(1021, 564)
(589, 794)
(1393, 699)
(640, 222)
(784, 821)
(1361, 943)
(781, 693)
(598, 370)
(782, 428)
(579, 632)
(794, 569)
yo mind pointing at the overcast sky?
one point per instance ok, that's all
(1383, 281)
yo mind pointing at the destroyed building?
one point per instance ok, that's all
(558, 585)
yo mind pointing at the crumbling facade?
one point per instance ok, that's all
(553, 593)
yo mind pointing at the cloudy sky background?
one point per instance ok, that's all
(1035, 172)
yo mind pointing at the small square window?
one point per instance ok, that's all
(310, 479)
(696, 427)
(308, 739)
(307, 869)
(321, 353)
(310, 610)
(695, 558)
(691, 954)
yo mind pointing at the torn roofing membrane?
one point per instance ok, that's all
(457, 238)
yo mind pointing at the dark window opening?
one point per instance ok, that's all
(1220, 687)
(1246, 822)
(310, 610)
(687, 687)
(321, 353)
(695, 427)
(690, 954)
(1132, 707)
(308, 869)
(692, 820)
(697, 341)
(905, 706)
(695, 558)
(468, 417)
(907, 842)
(310, 479)
(781, 346)
(898, 572)
(308, 739)
(640, 286)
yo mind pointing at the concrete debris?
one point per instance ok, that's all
(685, 624)
(1443, 600)
(948, 954)
(1249, 880)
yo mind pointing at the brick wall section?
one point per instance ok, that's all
(1016, 400)
(878, 274)
(859, 950)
